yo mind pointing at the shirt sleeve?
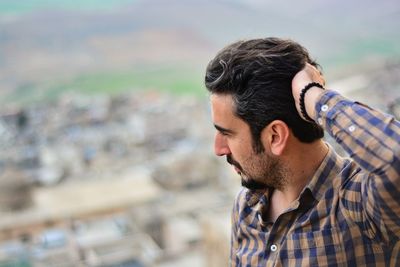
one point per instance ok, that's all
(372, 140)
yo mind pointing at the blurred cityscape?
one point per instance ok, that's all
(105, 129)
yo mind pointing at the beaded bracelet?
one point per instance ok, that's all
(302, 95)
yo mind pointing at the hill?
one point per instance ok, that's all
(50, 47)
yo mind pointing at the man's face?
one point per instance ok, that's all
(233, 139)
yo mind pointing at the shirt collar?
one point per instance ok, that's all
(254, 197)
(323, 178)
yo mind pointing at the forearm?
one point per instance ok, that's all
(370, 137)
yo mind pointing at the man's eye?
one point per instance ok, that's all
(224, 133)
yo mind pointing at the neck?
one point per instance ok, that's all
(303, 162)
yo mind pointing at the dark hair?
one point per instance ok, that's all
(258, 74)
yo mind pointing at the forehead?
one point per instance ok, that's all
(222, 108)
(221, 105)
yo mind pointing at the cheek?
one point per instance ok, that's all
(241, 149)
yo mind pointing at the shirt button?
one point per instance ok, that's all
(352, 128)
(319, 121)
(324, 108)
(274, 248)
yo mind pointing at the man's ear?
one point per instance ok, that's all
(276, 134)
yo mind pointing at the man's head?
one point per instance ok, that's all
(255, 76)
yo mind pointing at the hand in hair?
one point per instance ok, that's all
(307, 75)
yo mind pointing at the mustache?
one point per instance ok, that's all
(233, 162)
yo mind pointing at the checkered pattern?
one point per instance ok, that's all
(348, 214)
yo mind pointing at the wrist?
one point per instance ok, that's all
(307, 99)
(313, 96)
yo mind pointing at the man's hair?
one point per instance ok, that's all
(258, 75)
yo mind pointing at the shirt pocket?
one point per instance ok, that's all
(319, 248)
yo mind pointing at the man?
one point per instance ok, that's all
(303, 205)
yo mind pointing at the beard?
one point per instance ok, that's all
(261, 171)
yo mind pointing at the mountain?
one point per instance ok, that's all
(49, 46)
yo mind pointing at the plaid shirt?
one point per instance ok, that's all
(348, 214)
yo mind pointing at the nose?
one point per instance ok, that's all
(221, 147)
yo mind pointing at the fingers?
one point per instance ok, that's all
(315, 74)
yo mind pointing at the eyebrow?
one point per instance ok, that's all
(223, 130)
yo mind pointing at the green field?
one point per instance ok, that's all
(358, 51)
(175, 80)
(344, 49)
